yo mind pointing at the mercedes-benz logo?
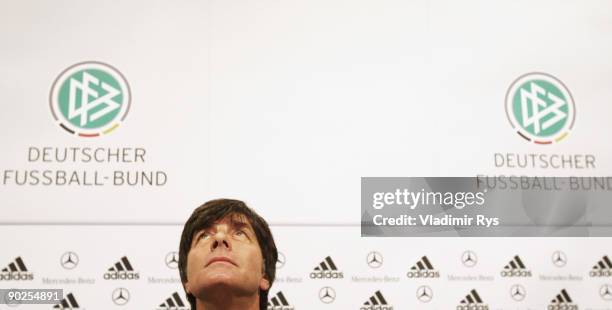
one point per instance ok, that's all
(518, 292)
(69, 260)
(559, 259)
(374, 259)
(606, 292)
(327, 294)
(424, 293)
(172, 260)
(121, 296)
(280, 260)
(469, 258)
(11, 302)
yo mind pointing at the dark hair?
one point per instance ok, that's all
(212, 211)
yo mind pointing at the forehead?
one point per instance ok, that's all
(231, 220)
(234, 220)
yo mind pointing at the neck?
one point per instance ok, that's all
(224, 302)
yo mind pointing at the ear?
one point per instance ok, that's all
(187, 288)
(264, 284)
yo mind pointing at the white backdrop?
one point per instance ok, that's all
(287, 104)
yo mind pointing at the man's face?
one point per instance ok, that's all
(225, 256)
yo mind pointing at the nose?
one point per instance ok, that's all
(220, 240)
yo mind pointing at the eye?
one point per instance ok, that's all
(204, 235)
(242, 234)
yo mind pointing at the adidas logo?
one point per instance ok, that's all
(423, 269)
(603, 268)
(376, 302)
(69, 302)
(562, 302)
(16, 270)
(279, 302)
(122, 270)
(515, 268)
(472, 301)
(173, 302)
(326, 270)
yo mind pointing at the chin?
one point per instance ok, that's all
(214, 285)
(221, 279)
(219, 287)
(218, 279)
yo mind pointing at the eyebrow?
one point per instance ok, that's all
(234, 223)
(242, 225)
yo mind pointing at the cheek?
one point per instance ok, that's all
(195, 261)
(256, 261)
